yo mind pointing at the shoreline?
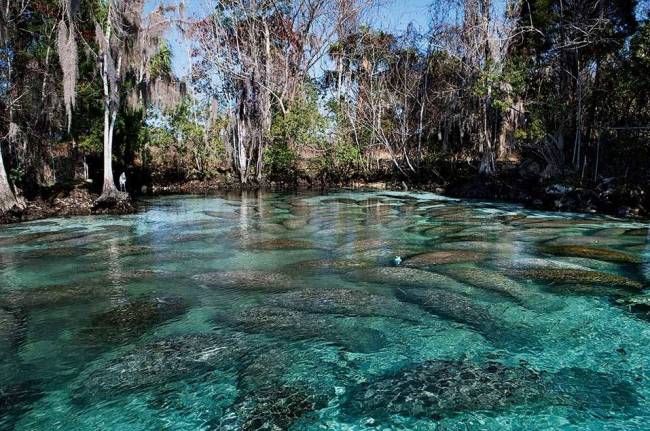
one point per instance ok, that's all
(558, 198)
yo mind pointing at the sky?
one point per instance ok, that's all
(391, 15)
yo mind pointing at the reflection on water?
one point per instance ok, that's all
(250, 311)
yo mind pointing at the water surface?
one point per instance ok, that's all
(278, 311)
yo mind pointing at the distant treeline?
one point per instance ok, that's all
(290, 90)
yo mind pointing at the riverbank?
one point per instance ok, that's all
(78, 201)
(609, 197)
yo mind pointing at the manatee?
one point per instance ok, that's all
(592, 241)
(522, 263)
(443, 257)
(645, 232)
(47, 296)
(460, 309)
(342, 301)
(134, 318)
(331, 265)
(605, 254)
(442, 230)
(499, 283)
(282, 244)
(437, 389)
(226, 215)
(12, 330)
(477, 244)
(271, 408)
(294, 223)
(561, 276)
(247, 280)
(408, 277)
(296, 325)
(161, 362)
(15, 400)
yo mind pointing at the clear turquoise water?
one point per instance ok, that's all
(271, 311)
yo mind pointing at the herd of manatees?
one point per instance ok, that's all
(327, 265)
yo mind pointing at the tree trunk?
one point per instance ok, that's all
(7, 198)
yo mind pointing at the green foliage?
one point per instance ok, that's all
(280, 161)
(160, 65)
(304, 127)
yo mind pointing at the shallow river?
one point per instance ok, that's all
(272, 312)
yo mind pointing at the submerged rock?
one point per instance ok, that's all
(439, 389)
(637, 304)
(560, 276)
(443, 257)
(247, 280)
(136, 317)
(344, 302)
(597, 253)
(296, 325)
(271, 408)
(161, 362)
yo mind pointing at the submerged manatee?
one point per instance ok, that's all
(443, 257)
(282, 244)
(295, 325)
(460, 309)
(271, 408)
(408, 277)
(499, 283)
(161, 362)
(438, 389)
(12, 330)
(136, 317)
(327, 265)
(247, 280)
(343, 301)
(15, 400)
(604, 254)
(588, 278)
